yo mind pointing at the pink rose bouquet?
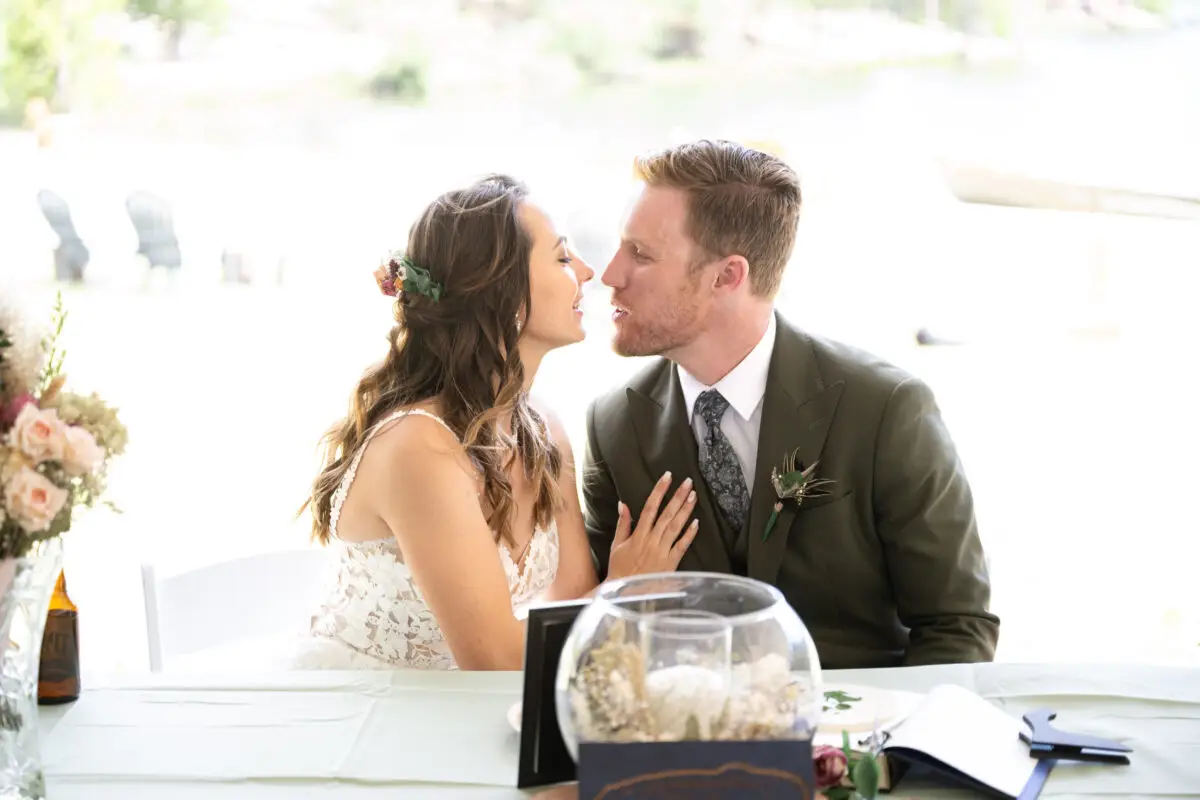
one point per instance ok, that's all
(55, 446)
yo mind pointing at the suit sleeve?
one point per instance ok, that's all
(925, 516)
(599, 498)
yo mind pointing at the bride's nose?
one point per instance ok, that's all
(583, 270)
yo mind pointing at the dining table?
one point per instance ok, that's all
(303, 735)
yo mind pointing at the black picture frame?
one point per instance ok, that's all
(544, 759)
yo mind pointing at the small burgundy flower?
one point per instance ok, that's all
(829, 764)
(11, 410)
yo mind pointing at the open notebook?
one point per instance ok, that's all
(950, 735)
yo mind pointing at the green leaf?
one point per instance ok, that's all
(839, 700)
(841, 697)
(417, 280)
(865, 775)
(791, 480)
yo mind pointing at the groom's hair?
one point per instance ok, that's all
(740, 201)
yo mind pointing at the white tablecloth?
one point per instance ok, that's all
(425, 735)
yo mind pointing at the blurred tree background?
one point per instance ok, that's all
(61, 51)
(174, 18)
(66, 52)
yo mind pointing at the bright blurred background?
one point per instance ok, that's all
(1002, 196)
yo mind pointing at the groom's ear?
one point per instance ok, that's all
(732, 273)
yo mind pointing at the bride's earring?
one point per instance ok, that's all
(518, 323)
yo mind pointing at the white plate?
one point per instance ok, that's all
(883, 706)
(869, 706)
(514, 716)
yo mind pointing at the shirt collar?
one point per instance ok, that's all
(745, 384)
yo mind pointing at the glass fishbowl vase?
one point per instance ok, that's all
(687, 656)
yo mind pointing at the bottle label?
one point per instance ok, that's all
(60, 647)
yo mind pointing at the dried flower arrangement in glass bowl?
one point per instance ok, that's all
(687, 656)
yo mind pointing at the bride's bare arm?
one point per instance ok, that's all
(431, 505)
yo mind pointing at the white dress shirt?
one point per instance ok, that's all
(744, 388)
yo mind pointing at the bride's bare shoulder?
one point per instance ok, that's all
(415, 436)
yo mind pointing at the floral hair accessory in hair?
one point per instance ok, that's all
(399, 274)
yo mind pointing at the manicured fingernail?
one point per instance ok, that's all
(666, 476)
(692, 497)
(687, 482)
(620, 507)
(695, 524)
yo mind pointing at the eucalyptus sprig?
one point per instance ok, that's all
(417, 280)
(54, 356)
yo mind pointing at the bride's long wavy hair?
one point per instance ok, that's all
(461, 352)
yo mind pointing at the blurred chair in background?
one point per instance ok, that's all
(155, 228)
(71, 256)
(232, 615)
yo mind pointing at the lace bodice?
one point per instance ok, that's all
(373, 607)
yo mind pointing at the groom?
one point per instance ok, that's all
(883, 562)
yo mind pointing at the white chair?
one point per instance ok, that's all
(234, 601)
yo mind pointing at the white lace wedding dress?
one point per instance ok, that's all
(372, 615)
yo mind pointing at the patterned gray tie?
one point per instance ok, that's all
(719, 464)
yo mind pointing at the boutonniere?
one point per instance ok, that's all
(792, 485)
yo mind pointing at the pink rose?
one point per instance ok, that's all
(829, 764)
(39, 434)
(10, 411)
(81, 454)
(32, 500)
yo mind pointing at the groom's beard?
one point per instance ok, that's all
(659, 331)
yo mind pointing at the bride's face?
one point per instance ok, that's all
(556, 279)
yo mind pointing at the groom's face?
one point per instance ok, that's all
(658, 294)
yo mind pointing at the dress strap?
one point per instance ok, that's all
(420, 412)
(339, 496)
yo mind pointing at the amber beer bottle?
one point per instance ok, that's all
(58, 675)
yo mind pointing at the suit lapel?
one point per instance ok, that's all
(798, 408)
(668, 444)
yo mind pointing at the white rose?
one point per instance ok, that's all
(39, 434)
(82, 454)
(32, 500)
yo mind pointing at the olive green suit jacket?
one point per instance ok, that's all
(886, 568)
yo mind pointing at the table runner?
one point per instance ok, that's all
(424, 734)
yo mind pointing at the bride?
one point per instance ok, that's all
(448, 495)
